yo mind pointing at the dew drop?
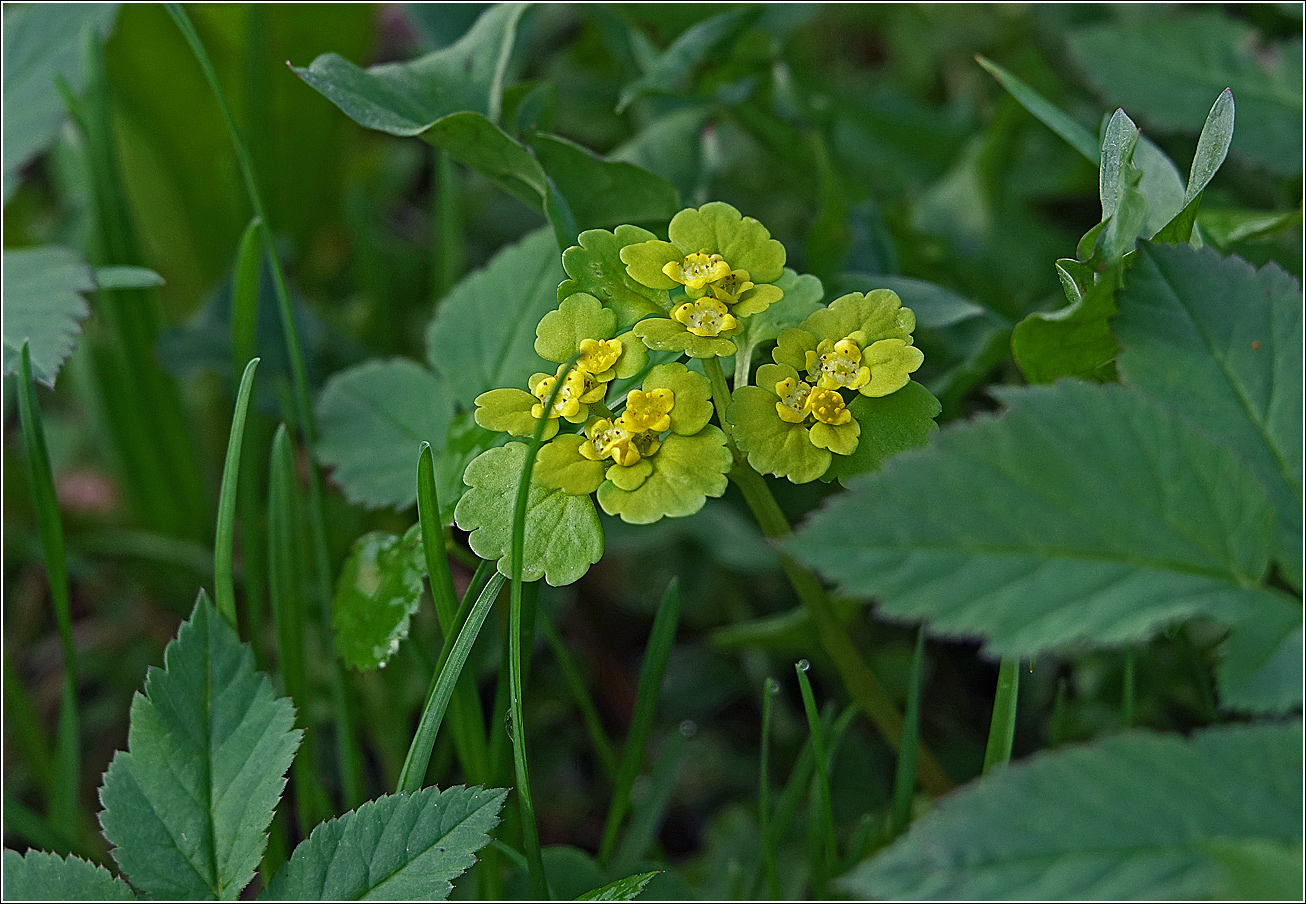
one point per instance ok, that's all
(771, 686)
(507, 723)
(803, 665)
(688, 728)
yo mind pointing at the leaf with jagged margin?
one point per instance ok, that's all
(187, 805)
(379, 589)
(38, 876)
(626, 889)
(400, 847)
(1136, 816)
(43, 289)
(372, 420)
(1220, 343)
(1082, 514)
(483, 334)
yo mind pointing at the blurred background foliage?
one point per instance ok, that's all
(865, 137)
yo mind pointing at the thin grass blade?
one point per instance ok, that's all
(1002, 728)
(829, 854)
(224, 585)
(904, 782)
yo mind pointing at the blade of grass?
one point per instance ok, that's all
(1075, 135)
(67, 770)
(800, 777)
(350, 762)
(1127, 691)
(23, 727)
(770, 872)
(289, 613)
(661, 637)
(828, 856)
(904, 781)
(40, 833)
(452, 659)
(224, 587)
(588, 712)
(1002, 728)
(647, 814)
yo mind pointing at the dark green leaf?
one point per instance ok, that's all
(400, 847)
(372, 420)
(43, 290)
(626, 889)
(1221, 344)
(890, 424)
(483, 333)
(605, 192)
(1260, 669)
(187, 805)
(1082, 514)
(1136, 816)
(671, 71)
(1074, 341)
(379, 589)
(38, 876)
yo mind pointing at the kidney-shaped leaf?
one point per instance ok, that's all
(1083, 513)
(1217, 816)
(187, 805)
(400, 847)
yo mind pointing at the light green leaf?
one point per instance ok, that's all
(464, 440)
(579, 316)
(187, 805)
(718, 228)
(1135, 816)
(126, 278)
(686, 471)
(890, 424)
(42, 42)
(43, 289)
(563, 536)
(1166, 70)
(1224, 228)
(483, 334)
(604, 192)
(379, 589)
(1221, 344)
(560, 466)
(878, 314)
(934, 306)
(1083, 514)
(400, 847)
(672, 69)
(1212, 145)
(626, 889)
(595, 266)
(508, 410)
(666, 335)
(774, 446)
(372, 420)
(38, 876)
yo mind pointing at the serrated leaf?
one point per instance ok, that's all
(563, 536)
(1082, 514)
(626, 889)
(187, 805)
(379, 589)
(42, 42)
(1135, 816)
(1221, 344)
(400, 847)
(43, 289)
(1260, 668)
(38, 876)
(483, 334)
(1074, 341)
(372, 421)
(1166, 71)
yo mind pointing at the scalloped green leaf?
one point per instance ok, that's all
(878, 314)
(563, 535)
(890, 424)
(1137, 816)
(1221, 344)
(399, 847)
(802, 297)
(693, 395)
(187, 805)
(38, 876)
(718, 228)
(483, 334)
(1082, 515)
(43, 289)
(379, 589)
(892, 362)
(560, 466)
(774, 446)
(372, 420)
(595, 266)
(508, 410)
(686, 471)
(644, 262)
(580, 316)
(666, 335)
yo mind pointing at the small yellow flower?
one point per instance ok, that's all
(578, 388)
(648, 411)
(614, 441)
(828, 407)
(697, 269)
(795, 400)
(838, 365)
(599, 357)
(705, 317)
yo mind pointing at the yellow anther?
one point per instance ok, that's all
(570, 396)
(648, 411)
(705, 317)
(795, 400)
(697, 269)
(828, 407)
(837, 365)
(728, 289)
(598, 356)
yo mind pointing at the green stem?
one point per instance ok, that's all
(720, 394)
(1127, 691)
(904, 783)
(1002, 729)
(63, 799)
